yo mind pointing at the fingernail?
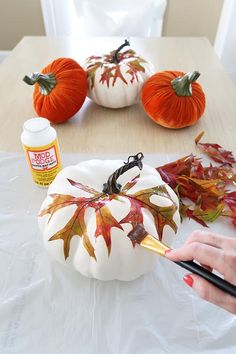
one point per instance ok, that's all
(188, 280)
(169, 250)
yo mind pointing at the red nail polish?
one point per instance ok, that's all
(188, 280)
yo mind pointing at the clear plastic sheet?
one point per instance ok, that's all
(47, 308)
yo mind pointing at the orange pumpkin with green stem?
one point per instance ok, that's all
(60, 89)
(173, 99)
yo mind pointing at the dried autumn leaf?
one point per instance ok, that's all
(212, 187)
(118, 74)
(216, 152)
(91, 71)
(134, 68)
(204, 186)
(230, 200)
(107, 75)
(180, 167)
(110, 74)
(105, 221)
(76, 226)
(225, 173)
(208, 215)
(186, 211)
(141, 199)
(130, 184)
(84, 188)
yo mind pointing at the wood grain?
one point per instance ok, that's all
(96, 129)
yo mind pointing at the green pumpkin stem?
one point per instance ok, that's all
(115, 58)
(182, 84)
(46, 82)
(111, 186)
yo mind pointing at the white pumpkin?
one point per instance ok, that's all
(86, 228)
(115, 80)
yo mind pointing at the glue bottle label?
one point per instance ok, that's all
(44, 162)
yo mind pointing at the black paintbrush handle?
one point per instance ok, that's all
(212, 278)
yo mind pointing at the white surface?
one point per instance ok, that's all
(47, 308)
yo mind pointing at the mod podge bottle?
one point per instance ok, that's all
(40, 143)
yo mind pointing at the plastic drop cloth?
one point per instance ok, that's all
(47, 308)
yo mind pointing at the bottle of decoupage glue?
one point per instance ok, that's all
(40, 143)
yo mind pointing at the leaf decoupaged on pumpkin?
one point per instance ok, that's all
(110, 73)
(76, 226)
(105, 221)
(203, 190)
(162, 215)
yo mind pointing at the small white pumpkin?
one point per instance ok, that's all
(115, 79)
(85, 222)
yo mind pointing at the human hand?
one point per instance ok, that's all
(214, 252)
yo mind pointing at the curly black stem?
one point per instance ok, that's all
(115, 58)
(111, 186)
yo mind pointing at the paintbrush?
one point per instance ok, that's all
(140, 235)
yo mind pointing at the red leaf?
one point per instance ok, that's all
(84, 187)
(215, 151)
(180, 167)
(105, 221)
(162, 215)
(230, 200)
(135, 216)
(130, 184)
(187, 212)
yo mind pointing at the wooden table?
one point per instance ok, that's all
(128, 130)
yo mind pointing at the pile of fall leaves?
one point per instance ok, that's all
(205, 192)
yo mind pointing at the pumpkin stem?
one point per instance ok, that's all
(115, 58)
(182, 84)
(46, 82)
(111, 186)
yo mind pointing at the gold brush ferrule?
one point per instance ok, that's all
(153, 244)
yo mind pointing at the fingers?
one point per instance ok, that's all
(206, 267)
(210, 293)
(212, 239)
(204, 254)
(212, 251)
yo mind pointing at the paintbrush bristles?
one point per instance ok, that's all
(137, 234)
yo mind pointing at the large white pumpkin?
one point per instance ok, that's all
(115, 79)
(86, 228)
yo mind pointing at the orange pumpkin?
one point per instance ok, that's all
(173, 99)
(60, 89)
